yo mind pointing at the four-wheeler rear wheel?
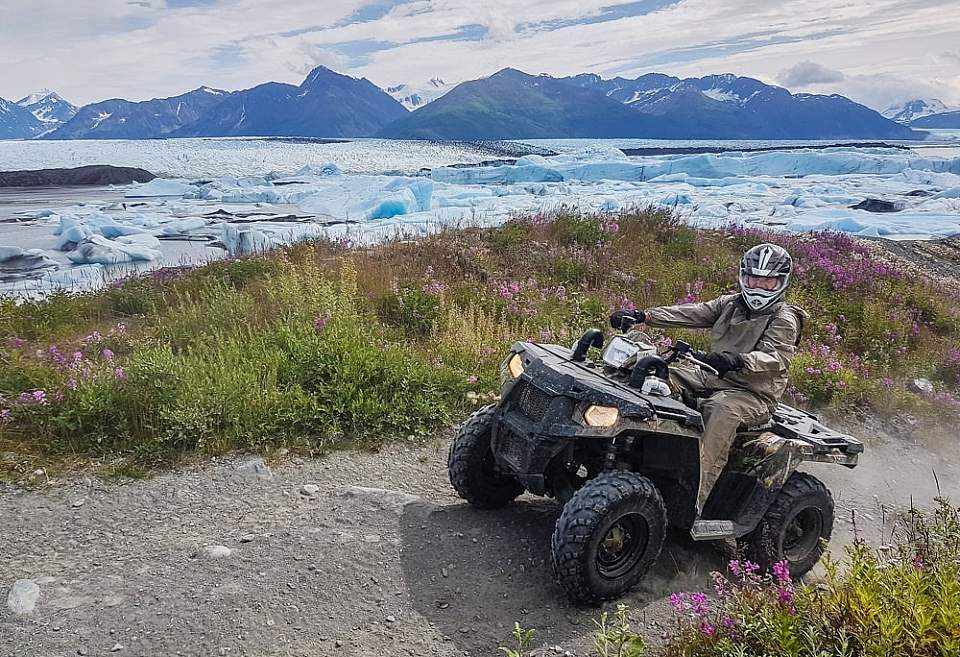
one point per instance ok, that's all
(472, 467)
(795, 528)
(608, 536)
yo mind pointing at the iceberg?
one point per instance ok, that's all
(161, 187)
(97, 249)
(16, 262)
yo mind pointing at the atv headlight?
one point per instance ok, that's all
(601, 416)
(515, 365)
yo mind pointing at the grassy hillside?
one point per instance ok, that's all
(320, 345)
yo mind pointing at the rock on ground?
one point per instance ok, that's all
(23, 597)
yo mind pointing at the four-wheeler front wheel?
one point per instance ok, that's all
(472, 467)
(608, 536)
(795, 528)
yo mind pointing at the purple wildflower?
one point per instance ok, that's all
(698, 602)
(781, 570)
(917, 562)
(321, 321)
(472, 379)
(16, 342)
(107, 355)
(727, 621)
(785, 595)
(676, 601)
(706, 629)
(5, 416)
(119, 374)
(734, 567)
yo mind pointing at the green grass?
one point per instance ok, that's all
(316, 347)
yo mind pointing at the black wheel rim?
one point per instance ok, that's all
(801, 535)
(622, 546)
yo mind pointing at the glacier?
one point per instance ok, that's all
(239, 212)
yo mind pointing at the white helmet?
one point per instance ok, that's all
(765, 261)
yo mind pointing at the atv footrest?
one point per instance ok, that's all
(712, 530)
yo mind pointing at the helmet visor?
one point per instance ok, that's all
(768, 283)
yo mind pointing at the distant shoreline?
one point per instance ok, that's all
(701, 150)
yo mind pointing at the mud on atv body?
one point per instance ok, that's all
(622, 484)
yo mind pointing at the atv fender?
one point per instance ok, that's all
(758, 468)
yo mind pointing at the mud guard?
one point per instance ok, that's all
(758, 468)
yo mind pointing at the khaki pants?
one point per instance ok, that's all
(724, 408)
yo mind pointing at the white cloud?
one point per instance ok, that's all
(806, 73)
(89, 51)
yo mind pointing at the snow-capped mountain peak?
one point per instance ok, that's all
(915, 109)
(48, 107)
(413, 96)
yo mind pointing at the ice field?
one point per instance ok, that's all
(244, 196)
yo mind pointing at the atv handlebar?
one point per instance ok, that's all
(684, 351)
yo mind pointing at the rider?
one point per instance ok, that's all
(754, 336)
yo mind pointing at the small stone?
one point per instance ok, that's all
(78, 503)
(923, 385)
(255, 468)
(56, 628)
(23, 596)
(338, 643)
(271, 622)
(248, 538)
(391, 619)
(215, 551)
(443, 571)
(116, 648)
(464, 630)
(39, 472)
(309, 490)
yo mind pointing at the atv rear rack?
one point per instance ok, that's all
(798, 425)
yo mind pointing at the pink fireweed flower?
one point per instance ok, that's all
(698, 602)
(706, 629)
(77, 357)
(5, 416)
(473, 378)
(107, 355)
(781, 570)
(720, 584)
(119, 374)
(676, 601)
(612, 227)
(321, 321)
(727, 621)
(734, 567)
(917, 562)
(784, 595)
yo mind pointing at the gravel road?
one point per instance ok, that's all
(352, 554)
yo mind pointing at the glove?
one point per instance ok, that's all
(616, 319)
(722, 361)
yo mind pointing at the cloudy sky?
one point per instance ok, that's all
(875, 51)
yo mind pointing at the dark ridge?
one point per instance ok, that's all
(95, 174)
(700, 150)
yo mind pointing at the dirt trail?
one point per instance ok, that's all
(382, 559)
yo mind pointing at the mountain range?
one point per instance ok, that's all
(510, 104)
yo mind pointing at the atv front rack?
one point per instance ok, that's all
(798, 425)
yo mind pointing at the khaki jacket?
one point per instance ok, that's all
(767, 341)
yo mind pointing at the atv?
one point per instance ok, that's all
(609, 441)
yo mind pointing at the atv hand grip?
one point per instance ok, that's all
(591, 338)
(645, 367)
